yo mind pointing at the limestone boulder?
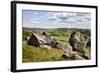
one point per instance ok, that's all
(36, 40)
(66, 48)
(77, 41)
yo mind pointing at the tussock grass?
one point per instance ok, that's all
(36, 54)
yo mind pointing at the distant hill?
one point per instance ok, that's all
(33, 28)
(52, 28)
(85, 31)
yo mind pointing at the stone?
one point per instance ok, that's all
(45, 47)
(66, 48)
(50, 41)
(60, 45)
(63, 46)
(77, 57)
(36, 40)
(77, 41)
(68, 54)
(86, 54)
(84, 40)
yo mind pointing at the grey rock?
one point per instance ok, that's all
(68, 54)
(77, 41)
(50, 41)
(45, 47)
(60, 45)
(86, 54)
(36, 40)
(77, 57)
(66, 48)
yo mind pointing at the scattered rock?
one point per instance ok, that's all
(50, 41)
(84, 40)
(45, 47)
(66, 48)
(86, 54)
(60, 45)
(77, 41)
(68, 54)
(36, 40)
(77, 57)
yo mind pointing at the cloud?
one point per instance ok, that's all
(71, 19)
(48, 19)
(62, 17)
(34, 22)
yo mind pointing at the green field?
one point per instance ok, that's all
(36, 54)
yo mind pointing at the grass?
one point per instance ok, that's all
(61, 35)
(35, 54)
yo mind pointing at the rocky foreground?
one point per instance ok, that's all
(77, 44)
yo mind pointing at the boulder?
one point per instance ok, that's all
(77, 41)
(84, 40)
(50, 41)
(86, 54)
(68, 54)
(36, 40)
(77, 57)
(45, 47)
(60, 45)
(66, 48)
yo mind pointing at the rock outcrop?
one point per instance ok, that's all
(77, 41)
(50, 41)
(36, 40)
(66, 48)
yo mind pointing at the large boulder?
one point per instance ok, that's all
(66, 48)
(36, 40)
(77, 41)
(50, 41)
(60, 45)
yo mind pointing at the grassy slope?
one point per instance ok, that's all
(34, 54)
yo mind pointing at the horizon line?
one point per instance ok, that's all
(55, 28)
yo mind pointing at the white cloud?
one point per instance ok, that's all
(34, 22)
(58, 19)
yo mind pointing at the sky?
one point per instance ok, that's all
(56, 19)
